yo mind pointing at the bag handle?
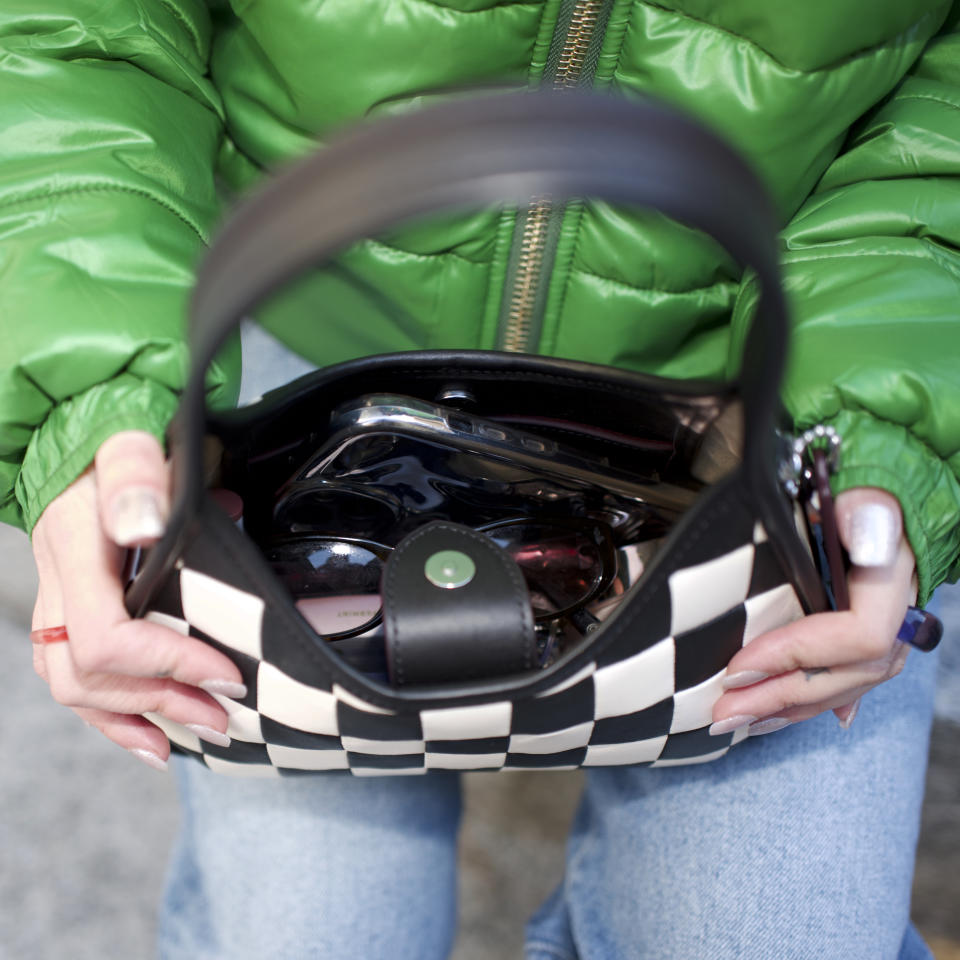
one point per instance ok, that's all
(487, 150)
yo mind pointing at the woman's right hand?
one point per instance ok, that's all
(112, 669)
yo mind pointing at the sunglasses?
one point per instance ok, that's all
(566, 564)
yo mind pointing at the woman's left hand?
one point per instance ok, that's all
(828, 661)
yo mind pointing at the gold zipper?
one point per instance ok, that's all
(583, 23)
(516, 335)
(524, 295)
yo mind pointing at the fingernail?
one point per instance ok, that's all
(135, 516)
(849, 718)
(768, 726)
(209, 734)
(873, 536)
(730, 724)
(151, 759)
(743, 679)
(226, 688)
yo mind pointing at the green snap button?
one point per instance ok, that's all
(449, 569)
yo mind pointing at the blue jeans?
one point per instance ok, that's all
(796, 845)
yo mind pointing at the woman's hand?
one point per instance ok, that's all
(827, 661)
(112, 669)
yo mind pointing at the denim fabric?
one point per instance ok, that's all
(947, 606)
(798, 844)
(321, 866)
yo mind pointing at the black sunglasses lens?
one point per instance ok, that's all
(336, 584)
(561, 566)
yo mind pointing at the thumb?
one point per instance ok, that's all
(132, 488)
(870, 524)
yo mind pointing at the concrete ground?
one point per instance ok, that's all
(84, 828)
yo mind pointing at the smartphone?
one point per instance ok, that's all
(391, 463)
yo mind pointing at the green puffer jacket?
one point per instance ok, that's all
(120, 121)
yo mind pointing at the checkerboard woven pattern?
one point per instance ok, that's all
(644, 696)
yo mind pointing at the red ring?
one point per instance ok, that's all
(49, 635)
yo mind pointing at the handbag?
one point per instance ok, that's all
(638, 689)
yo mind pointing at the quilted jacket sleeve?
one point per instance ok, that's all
(109, 134)
(872, 268)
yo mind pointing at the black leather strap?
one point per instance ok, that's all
(492, 149)
(441, 629)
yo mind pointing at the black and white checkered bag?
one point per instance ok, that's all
(641, 688)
